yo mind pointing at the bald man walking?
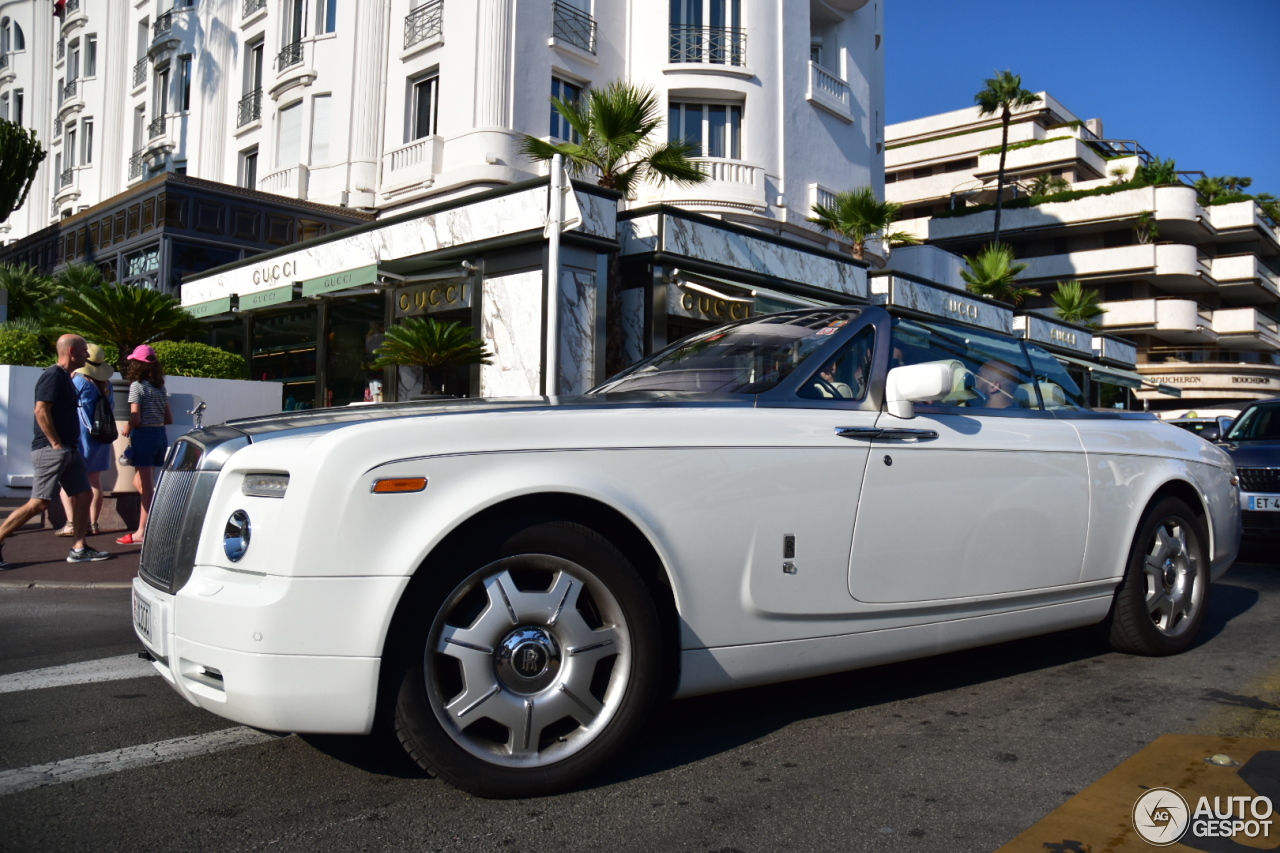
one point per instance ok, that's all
(55, 452)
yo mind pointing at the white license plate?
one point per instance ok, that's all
(1269, 503)
(142, 618)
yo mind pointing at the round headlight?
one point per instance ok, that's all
(235, 537)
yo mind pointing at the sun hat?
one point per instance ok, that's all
(143, 353)
(97, 367)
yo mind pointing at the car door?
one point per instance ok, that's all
(994, 499)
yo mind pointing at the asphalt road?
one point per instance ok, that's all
(957, 753)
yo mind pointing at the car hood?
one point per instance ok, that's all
(325, 420)
(1264, 453)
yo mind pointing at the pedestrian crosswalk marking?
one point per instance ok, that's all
(88, 766)
(85, 672)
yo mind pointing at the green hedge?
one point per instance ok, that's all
(1033, 200)
(186, 358)
(23, 349)
(1030, 143)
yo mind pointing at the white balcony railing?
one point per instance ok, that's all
(829, 91)
(412, 163)
(291, 182)
(730, 183)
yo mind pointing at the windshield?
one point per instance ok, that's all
(1257, 424)
(746, 357)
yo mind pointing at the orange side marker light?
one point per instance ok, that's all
(399, 485)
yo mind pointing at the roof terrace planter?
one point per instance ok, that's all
(708, 45)
(290, 56)
(573, 26)
(424, 24)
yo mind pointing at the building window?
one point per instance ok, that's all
(73, 61)
(71, 145)
(253, 67)
(321, 106)
(714, 130)
(425, 94)
(184, 83)
(289, 142)
(327, 11)
(86, 131)
(11, 37)
(707, 31)
(292, 31)
(571, 93)
(249, 168)
(91, 56)
(60, 91)
(144, 37)
(17, 106)
(4, 106)
(160, 98)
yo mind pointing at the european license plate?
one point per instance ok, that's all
(1265, 502)
(142, 618)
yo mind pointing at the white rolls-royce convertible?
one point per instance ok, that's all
(511, 584)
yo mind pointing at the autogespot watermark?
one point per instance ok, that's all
(1162, 817)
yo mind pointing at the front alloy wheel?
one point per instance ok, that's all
(534, 668)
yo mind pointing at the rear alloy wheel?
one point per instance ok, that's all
(1161, 603)
(532, 669)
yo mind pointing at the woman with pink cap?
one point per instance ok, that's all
(148, 414)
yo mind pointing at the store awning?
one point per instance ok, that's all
(1119, 376)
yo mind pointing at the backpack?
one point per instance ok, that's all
(103, 427)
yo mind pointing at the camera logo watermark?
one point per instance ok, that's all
(1162, 817)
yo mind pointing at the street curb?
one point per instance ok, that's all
(65, 585)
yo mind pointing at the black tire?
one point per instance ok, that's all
(1162, 600)
(548, 638)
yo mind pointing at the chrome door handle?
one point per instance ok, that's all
(877, 432)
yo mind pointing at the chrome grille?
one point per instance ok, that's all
(1259, 479)
(173, 527)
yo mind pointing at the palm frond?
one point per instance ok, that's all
(992, 273)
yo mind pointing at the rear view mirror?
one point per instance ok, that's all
(910, 383)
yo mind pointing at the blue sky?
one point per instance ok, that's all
(1196, 81)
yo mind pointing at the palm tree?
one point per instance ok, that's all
(20, 157)
(992, 272)
(75, 277)
(613, 125)
(1074, 304)
(1270, 206)
(1157, 173)
(432, 345)
(30, 292)
(1210, 188)
(1119, 175)
(124, 316)
(1236, 184)
(1047, 184)
(1146, 228)
(858, 215)
(1003, 94)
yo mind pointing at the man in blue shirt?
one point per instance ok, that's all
(55, 451)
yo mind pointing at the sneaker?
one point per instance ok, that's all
(87, 555)
(4, 567)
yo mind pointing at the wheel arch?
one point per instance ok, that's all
(590, 512)
(1188, 493)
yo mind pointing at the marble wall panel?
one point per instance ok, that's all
(632, 321)
(599, 216)
(577, 331)
(495, 217)
(511, 323)
(729, 248)
(639, 236)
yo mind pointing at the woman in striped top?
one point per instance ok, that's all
(149, 413)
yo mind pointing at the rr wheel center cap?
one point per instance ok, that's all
(1170, 573)
(528, 660)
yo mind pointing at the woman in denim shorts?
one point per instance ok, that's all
(148, 414)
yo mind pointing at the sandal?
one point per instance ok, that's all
(68, 530)
(93, 529)
(128, 539)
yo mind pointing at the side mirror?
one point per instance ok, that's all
(910, 383)
(1210, 434)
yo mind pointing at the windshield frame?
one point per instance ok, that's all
(1246, 417)
(785, 387)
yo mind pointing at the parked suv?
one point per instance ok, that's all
(1254, 445)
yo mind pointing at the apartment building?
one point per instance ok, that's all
(1196, 286)
(413, 111)
(386, 105)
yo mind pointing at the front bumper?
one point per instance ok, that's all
(1258, 524)
(284, 654)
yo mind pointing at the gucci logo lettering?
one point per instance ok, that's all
(962, 309)
(710, 306)
(275, 272)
